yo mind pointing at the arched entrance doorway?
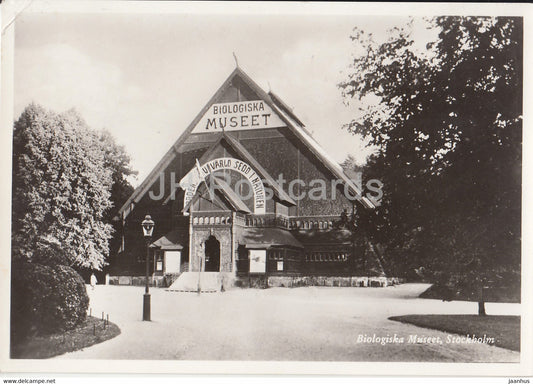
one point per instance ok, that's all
(212, 254)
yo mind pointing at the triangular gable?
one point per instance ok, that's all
(215, 200)
(247, 157)
(176, 239)
(244, 156)
(147, 183)
(280, 110)
(234, 201)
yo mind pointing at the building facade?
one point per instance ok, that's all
(246, 197)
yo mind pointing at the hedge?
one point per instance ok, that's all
(46, 299)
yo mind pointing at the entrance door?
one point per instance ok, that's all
(212, 255)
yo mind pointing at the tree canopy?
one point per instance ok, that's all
(118, 161)
(64, 175)
(448, 127)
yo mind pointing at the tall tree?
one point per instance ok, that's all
(61, 190)
(118, 161)
(447, 122)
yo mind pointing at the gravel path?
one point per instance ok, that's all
(306, 324)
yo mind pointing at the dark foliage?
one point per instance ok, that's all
(61, 189)
(45, 299)
(447, 127)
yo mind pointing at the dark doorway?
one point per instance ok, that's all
(243, 261)
(212, 254)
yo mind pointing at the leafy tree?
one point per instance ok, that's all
(61, 191)
(117, 160)
(447, 122)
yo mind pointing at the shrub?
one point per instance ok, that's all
(46, 299)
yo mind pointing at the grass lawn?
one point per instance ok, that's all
(42, 347)
(500, 294)
(504, 329)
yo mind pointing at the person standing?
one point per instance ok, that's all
(93, 281)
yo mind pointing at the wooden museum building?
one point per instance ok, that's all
(235, 203)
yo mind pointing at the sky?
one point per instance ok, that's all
(144, 77)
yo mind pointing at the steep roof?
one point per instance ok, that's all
(278, 106)
(246, 156)
(173, 240)
(232, 198)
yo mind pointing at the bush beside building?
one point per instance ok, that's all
(45, 300)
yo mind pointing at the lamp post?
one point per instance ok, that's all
(148, 228)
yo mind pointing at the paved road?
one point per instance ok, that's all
(306, 324)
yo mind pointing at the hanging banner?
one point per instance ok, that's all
(199, 173)
(238, 116)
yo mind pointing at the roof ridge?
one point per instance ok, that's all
(171, 153)
(293, 123)
(285, 106)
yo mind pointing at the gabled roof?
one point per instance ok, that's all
(144, 187)
(247, 157)
(285, 114)
(321, 154)
(280, 103)
(176, 239)
(232, 198)
(297, 128)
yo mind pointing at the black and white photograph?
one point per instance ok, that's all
(282, 188)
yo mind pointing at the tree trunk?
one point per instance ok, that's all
(481, 303)
(481, 308)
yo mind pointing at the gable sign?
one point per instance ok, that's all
(238, 116)
(195, 176)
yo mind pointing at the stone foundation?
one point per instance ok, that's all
(156, 281)
(228, 281)
(320, 281)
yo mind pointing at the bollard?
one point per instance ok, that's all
(94, 329)
(102, 316)
(90, 311)
(107, 320)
